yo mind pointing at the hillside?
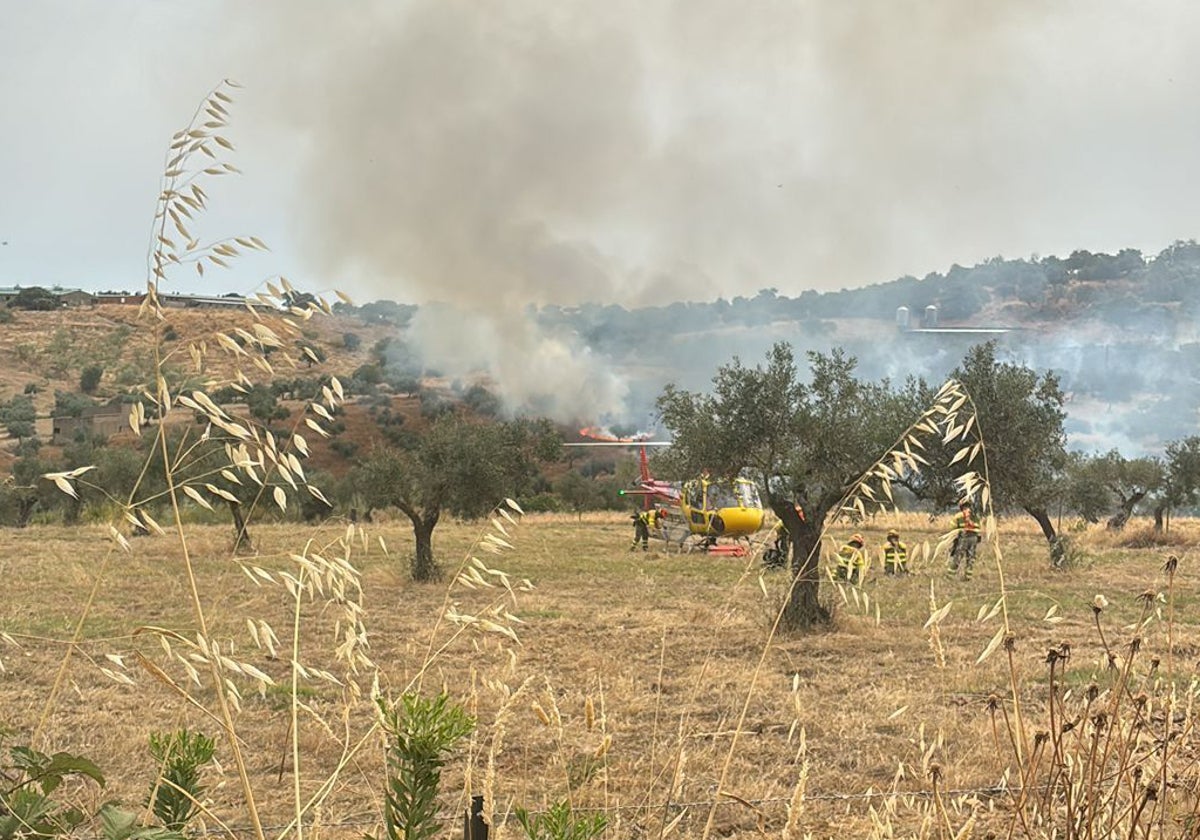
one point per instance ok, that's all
(1120, 332)
(42, 353)
(48, 350)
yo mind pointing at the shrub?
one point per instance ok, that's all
(89, 379)
(35, 298)
(180, 755)
(344, 448)
(543, 503)
(558, 823)
(28, 446)
(18, 416)
(70, 404)
(422, 733)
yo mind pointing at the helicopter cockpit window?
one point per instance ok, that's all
(722, 496)
(747, 493)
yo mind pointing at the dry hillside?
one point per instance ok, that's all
(47, 351)
(50, 349)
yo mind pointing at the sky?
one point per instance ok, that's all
(496, 155)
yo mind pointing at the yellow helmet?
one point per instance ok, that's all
(857, 538)
(892, 532)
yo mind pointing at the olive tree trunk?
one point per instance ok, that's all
(424, 567)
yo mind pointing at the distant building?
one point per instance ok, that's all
(73, 297)
(79, 297)
(120, 298)
(66, 297)
(105, 420)
(178, 301)
(929, 325)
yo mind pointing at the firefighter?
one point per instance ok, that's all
(851, 559)
(895, 554)
(962, 552)
(643, 523)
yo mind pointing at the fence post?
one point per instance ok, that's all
(474, 828)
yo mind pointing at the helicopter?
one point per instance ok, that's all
(711, 508)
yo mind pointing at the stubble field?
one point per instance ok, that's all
(646, 685)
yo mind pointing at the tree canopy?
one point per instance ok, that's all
(1020, 415)
(460, 467)
(804, 442)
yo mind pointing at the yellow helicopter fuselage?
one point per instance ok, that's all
(721, 508)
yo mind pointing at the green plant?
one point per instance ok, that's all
(1066, 553)
(28, 780)
(119, 824)
(558, 823)
(27, 447)
(18, 416)
(344, 448)
(89, 379)
(177, 793)
(422, 732)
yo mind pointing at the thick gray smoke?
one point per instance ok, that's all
(494, 156)
(629, 152)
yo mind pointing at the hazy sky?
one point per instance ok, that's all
(532, 152)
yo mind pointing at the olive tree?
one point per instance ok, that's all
(1020, 417)
(1181, 478)
(459, 466)
(1129, 481)
(804, 442)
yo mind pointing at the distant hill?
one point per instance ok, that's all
(1120, 330)
(47, 351)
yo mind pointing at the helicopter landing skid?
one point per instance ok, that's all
(727, 550)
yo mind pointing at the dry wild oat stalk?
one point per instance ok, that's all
(234, 462)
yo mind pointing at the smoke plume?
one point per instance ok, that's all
(494, 156)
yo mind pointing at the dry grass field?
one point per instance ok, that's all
(648, 685)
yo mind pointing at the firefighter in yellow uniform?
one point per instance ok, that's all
(643, 523)
(851, 559)
(895, 554)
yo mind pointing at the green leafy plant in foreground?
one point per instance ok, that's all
(28, 781)
(178, 792)
(33, 803)
(118, 824)
(422, 733)
(558, 823)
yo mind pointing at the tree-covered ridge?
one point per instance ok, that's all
(1117, 288)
